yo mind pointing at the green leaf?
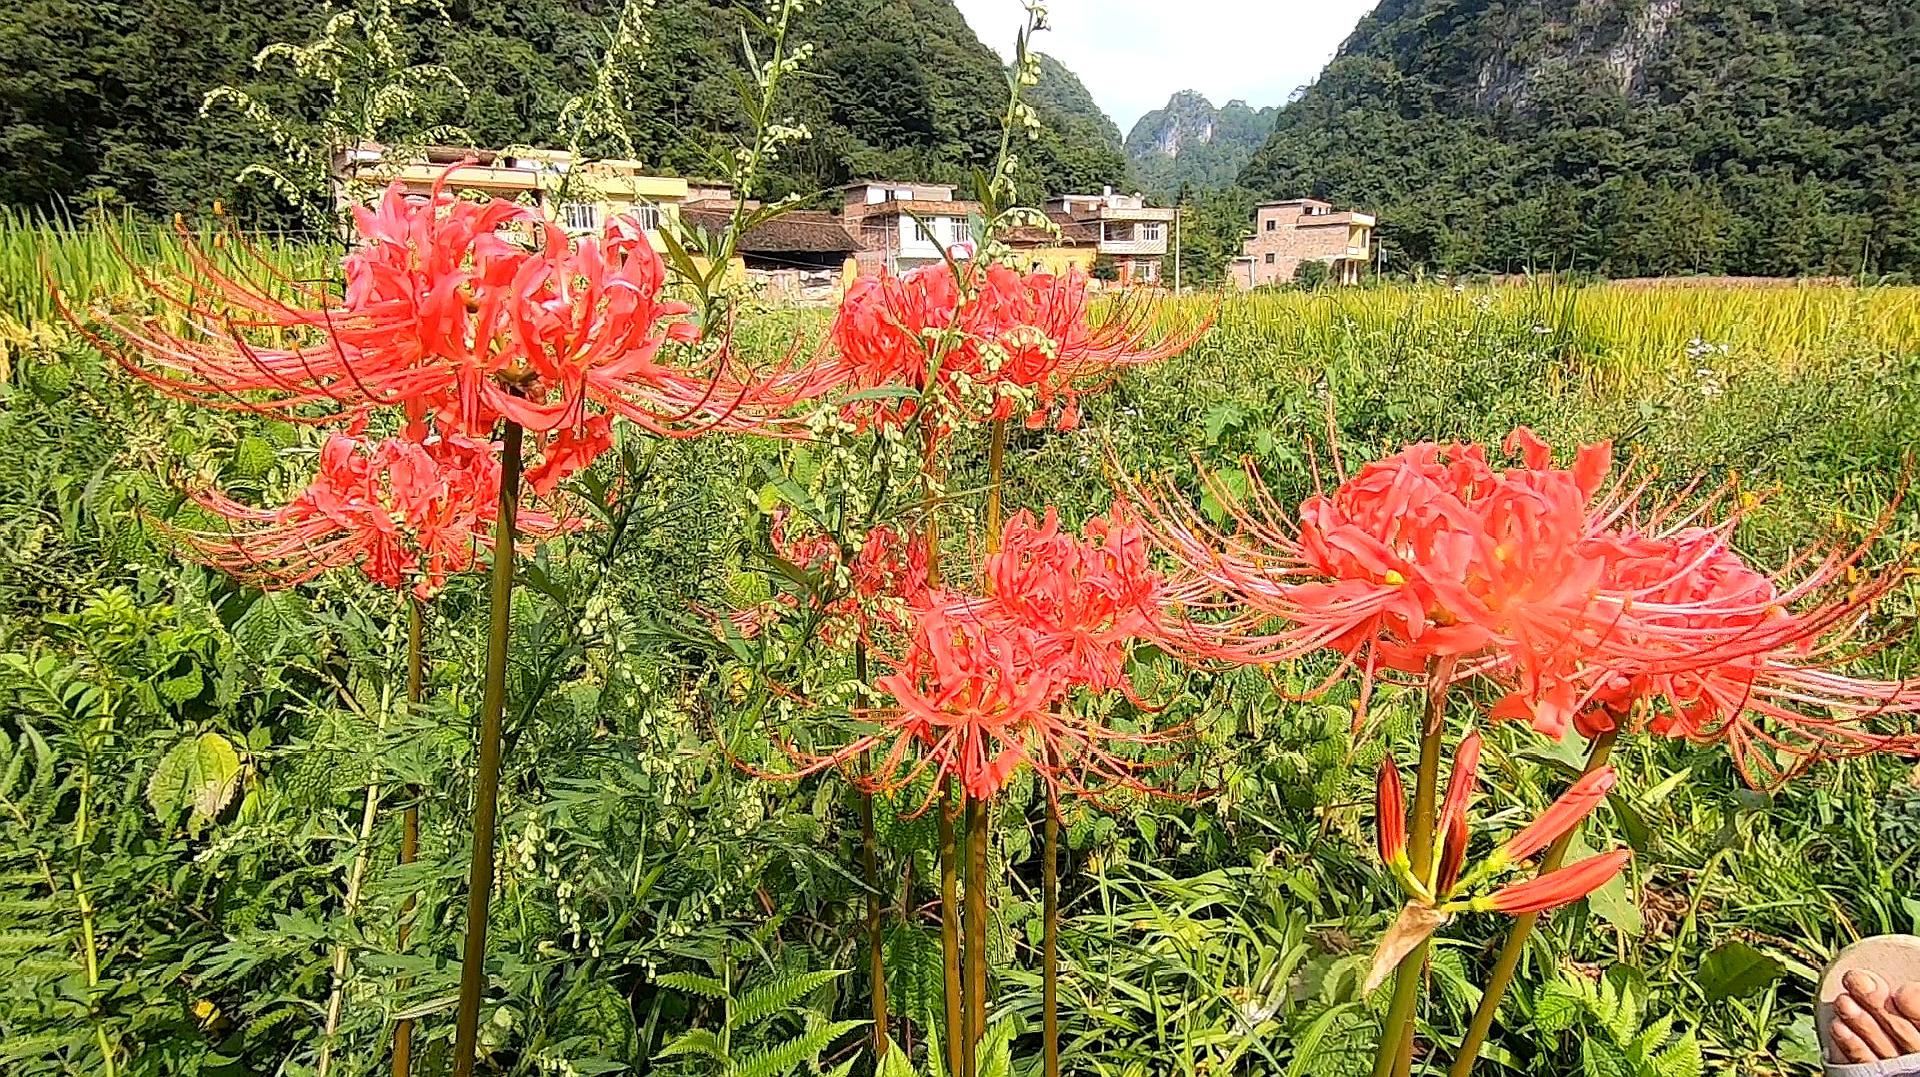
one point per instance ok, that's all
(1736, 970)
(199, 773)
(1598, 1058)
(695, 1041)
(1614, 903)
(894, 1063)
(1682, 1059)
(692, 983)
(1557, 1006)
(776, 996)
(1633, 825)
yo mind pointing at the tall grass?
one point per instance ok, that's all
(95, 259)
(1614, 337)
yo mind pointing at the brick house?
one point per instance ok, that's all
(903, 226)
(1297, 230)
(1131, 234)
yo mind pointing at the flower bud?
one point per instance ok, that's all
(1556, 888)
(1561, 816)
(1452, 824)
(1390, 813)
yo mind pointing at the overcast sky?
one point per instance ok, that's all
(1133, 54)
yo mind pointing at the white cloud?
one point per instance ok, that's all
(1133, 54)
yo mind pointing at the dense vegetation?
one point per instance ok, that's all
(1192, 145)
(223, 740)
(1631, 137)
(101, 102)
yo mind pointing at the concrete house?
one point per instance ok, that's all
(1297, 230)
(1131, 234)
(903, 226)
(581, 196)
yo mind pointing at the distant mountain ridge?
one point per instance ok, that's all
(1191, 143)
(1628, 137)
(102, 101)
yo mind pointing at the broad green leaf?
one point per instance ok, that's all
(199, 773)
(1737, 970)
(1614, 903)
(894, 1063)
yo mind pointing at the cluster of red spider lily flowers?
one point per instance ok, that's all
(1589, 608)
(980, 681)
(410, 514)
(459, 315)
(988, 342)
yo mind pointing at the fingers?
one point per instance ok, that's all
(1873, 995)
(1850, 1047)
(1851, 1015)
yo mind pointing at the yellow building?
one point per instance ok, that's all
(581, 195)
(1069, 244)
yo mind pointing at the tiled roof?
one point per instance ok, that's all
(808, 231)
(1072, 233)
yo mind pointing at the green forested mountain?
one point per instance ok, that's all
(100, 98)
(1080, 147)
(1623, 136)
(1190, 145)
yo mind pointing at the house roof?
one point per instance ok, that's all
(799, 231)
(1072, 233)
(923, 207)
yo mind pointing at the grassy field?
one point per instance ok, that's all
(1223, 936)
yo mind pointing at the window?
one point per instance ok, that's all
(1269, 258)
(647, 217)
(1152, 232)
(580, 216)
(1272, 224)
(919, 231)
(961, 231)
(1149, 271)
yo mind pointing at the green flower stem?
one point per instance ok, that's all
(950, 938)
(976, 950)
(410, 823)
(870, 867)
(1508, 959)
(1395, 1052)
(1049, 943)
(486, 793)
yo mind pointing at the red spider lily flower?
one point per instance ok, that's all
(1589, 611)
(1045, 340)
(462, 313)
(1442, 887)
(1556, 888)
(1083, 599)
(1390, 814)
(1690, 641)
(983, 684)
(1024, 340)
(408, 514)
(875, 588)
(1430, 552)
